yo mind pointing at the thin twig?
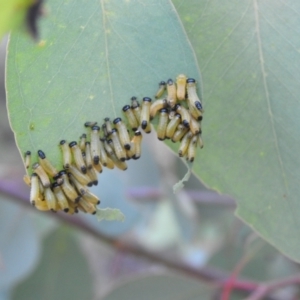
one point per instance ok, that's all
(267, 287)
(212, 275)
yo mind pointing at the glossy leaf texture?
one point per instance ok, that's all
(248, 52)
(93, 57)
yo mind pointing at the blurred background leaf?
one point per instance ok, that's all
(55, 278)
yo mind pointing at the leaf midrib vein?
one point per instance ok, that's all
(266, 90)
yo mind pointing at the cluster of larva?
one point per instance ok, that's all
(179, 119)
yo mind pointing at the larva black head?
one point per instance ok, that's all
(162, 83)
(90, 124)
(54, 185)
(62, 142)
(87, 143)
(34, 11)
(122, 159)
(186, 123)
(177, 106)
(135, 157)
(170, 82)
(96, 128)
(62, 172)
(72, 144)
(102, 139)
(41, 154)
(35, 165)
(33, 175)
(106, 119)
(200, 118)
(127, 146)
(95, 182)
(137, 133)
(133, 98)
(56, 176)
(178, 116)
(114, 130)
(117, 120)
(126, 107)
(27, 153)
(66, 209)
(190, 80)
(163, 111)
(144, 124)
(109, 141)
(147, 99)
(198, 105)
(83, 136)
(90, 184)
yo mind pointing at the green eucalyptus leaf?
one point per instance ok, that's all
(93, 58)
(248, 52)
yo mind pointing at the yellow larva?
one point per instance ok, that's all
(86, 206)
(181, 86)
(195, 126)
(46, 165)
(131, 152)
(103, 154)
(179, 133)
(60, 196)
(162, 124)
(90, 197)
(120, 164)
(156, 106)
(133, 122)
(68, 189)
(185, 143)
(67, 155)
(50, 199)
(42, 174)
(41, 205)
(95, 144)
(200, 142)
(135, 106)
(185, 115)
(82, 142)
(82, 178)
(27, 159)
(119, 150)
(193, 98)
(161, 89)
(108, 126)
(90, 124)
(171, 128)
(172, 94)
(137, 140)
(93, 176)
(34, 190)
(88, 156)
(27, 180)
(145, 114)
(78, 159)
(123, 133)
(191, 151)
(81, 188)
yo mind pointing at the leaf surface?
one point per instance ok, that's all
(92, 59)
(248, 52)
